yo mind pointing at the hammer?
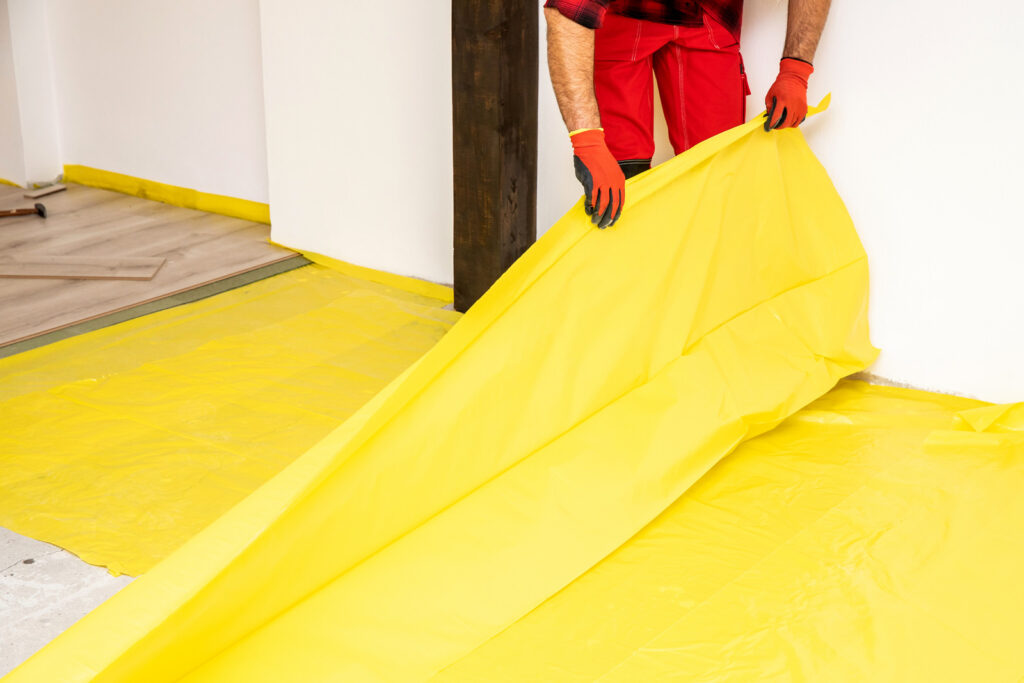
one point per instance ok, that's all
(38, 210)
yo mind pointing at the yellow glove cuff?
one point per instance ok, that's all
(583, 130)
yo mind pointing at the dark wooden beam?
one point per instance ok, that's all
(494, 98)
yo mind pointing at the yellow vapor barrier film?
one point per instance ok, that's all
(861, 540)
(603, 375)
(122, 443)
(411, 284)
(168, 194)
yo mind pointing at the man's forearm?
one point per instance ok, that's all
(803, 30)
(571, 64)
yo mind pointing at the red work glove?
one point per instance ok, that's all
(786, 100)
(604, 185)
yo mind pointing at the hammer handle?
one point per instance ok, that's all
(17, 212)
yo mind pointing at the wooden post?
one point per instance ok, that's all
(494, 98)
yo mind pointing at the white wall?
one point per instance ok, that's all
(30, 40)
(358, 105)
(12, 156)
(923, 143)
(167, 91)
(29, 143)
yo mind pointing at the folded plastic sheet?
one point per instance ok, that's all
(121, 444)
(601, 377)
(870, 537)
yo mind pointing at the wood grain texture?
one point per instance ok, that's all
(31, 265)
(199, 248)
(494, 99)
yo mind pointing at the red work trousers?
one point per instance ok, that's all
(700, 79)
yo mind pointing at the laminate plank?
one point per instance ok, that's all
(8, 192)
(159, 304)
(45, 191)
(199, 249)
(29, 265)
(109, 298)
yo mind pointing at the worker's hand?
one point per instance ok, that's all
(604, 185)
(786, 100)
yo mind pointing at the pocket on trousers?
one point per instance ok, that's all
(719, 36)
(618, 39)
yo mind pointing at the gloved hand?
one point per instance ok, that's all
(604, 185)
(786, 100)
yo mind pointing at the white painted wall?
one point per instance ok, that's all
(31, 47)
(167, 91)
(12, 155)
(924, 145)
(920, 142)
(359, 140)
(29, 144)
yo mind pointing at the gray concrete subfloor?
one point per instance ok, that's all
(43, 591)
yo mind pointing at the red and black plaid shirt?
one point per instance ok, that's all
(590, 13)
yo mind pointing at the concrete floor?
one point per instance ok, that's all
(43, 591)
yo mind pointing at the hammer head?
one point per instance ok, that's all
(41, 210)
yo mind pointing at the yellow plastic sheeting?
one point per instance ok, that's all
(168, 194)
(859, 541)
(997, 419)
(602, 376)
(122, 443)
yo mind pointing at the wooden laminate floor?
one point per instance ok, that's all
(200, 248)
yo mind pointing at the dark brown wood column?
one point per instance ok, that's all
(494, 97)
